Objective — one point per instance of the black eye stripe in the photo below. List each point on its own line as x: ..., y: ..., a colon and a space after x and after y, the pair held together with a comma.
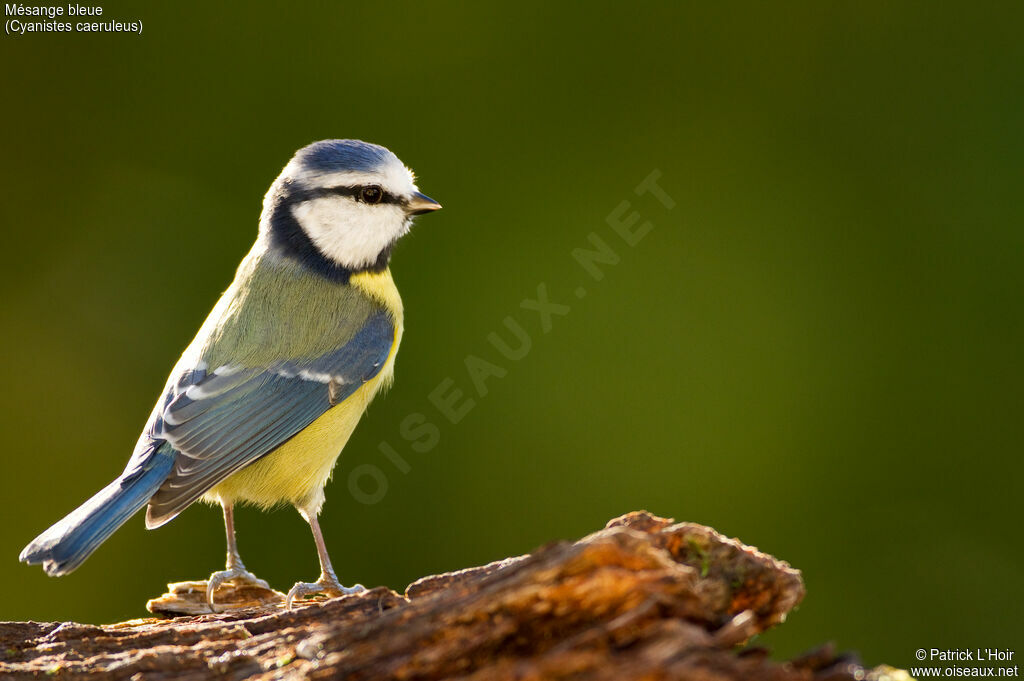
x: 352, y: 192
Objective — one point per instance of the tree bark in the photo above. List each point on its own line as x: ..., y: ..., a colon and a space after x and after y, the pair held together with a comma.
x: 641, y: 599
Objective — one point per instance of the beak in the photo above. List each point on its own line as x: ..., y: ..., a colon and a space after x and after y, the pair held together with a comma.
x: 420, y: 204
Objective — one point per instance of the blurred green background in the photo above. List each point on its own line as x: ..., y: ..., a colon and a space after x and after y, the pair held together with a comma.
x: 817, y: 350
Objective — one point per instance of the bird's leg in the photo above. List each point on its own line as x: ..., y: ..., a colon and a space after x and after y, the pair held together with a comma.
x: 328, y: 582
x: 235, y: 570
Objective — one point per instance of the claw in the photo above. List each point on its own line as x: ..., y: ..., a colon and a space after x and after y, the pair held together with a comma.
x: 327, y: 584
x: 237, y: 575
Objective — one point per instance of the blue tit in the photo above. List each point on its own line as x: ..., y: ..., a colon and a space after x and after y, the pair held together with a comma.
x: 263, y: 400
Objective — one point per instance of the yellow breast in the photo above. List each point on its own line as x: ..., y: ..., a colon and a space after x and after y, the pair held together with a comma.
x: 297, y: 471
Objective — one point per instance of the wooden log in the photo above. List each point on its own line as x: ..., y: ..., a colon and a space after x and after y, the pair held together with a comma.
x: 641, y: 599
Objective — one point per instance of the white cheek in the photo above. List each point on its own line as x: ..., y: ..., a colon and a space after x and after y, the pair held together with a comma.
x: 351, y: 234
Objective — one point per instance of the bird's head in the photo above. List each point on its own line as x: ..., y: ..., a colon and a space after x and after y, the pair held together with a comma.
x: 339, y: 206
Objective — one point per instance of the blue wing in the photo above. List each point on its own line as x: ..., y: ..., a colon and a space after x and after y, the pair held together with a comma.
x: 222, y: 421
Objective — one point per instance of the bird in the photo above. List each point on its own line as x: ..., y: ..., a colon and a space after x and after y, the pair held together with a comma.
x: 261, y: 403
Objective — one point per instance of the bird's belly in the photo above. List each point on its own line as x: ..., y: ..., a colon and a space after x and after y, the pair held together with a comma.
x: 297, y: 471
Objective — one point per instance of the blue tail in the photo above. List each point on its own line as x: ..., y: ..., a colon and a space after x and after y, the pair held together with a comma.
x: 67, y: 544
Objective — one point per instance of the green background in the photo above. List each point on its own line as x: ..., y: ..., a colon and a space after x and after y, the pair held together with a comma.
x: 817, y: 350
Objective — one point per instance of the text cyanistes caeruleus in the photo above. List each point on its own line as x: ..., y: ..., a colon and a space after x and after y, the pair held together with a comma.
x: 265, y: 397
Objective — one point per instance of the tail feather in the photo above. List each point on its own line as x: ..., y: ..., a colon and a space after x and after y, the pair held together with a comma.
x: 67, y: 544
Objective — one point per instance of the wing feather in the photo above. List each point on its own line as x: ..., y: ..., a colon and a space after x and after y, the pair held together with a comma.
x: 224, y: 420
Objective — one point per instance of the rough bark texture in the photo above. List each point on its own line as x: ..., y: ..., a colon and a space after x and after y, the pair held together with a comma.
x: 641, y: 599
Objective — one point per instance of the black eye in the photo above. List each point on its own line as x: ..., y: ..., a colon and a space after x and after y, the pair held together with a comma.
x: 371, y: 194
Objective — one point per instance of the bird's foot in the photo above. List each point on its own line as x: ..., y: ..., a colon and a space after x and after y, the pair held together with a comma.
x: 238, y: 576
x: 327, y: 584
